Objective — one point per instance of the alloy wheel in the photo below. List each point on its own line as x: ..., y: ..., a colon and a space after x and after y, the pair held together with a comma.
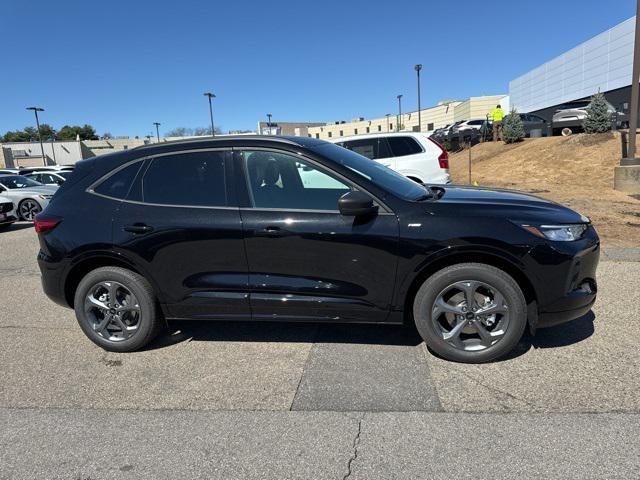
x: 29, y: 209
x: 112, y: 311
x: 470, y: 315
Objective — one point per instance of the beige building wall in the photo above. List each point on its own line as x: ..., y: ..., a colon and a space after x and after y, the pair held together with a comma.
x: 431, y: 118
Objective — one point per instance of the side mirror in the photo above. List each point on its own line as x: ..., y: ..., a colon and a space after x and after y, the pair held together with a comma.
x: 356, y: 203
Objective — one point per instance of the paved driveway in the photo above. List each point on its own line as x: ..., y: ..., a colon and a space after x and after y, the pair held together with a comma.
x: 337, y: 377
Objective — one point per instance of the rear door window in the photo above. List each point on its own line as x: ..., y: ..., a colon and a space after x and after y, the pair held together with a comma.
x: 186, y: 179
x: 373, y: 148
x: 402, y: 146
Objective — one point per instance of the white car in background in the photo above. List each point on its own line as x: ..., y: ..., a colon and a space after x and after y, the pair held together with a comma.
x: 413, y: 154
x: 29, y: 197
x: 7, y: 212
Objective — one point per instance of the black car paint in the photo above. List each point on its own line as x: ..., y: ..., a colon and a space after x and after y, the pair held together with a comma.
x: 285, y: 264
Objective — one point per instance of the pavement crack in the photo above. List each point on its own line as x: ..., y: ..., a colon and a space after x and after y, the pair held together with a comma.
x: 496, y: 390
x: 354, y: 448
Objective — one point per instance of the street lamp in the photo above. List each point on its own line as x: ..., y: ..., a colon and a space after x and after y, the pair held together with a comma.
x: 210, y: 96
x: 418, y: 67
x: 399, y: 97
x: 36, y: 110
x: 157, y: 124
x: 269, y: 123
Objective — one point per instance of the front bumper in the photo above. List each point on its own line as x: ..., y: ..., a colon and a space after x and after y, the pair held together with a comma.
x: 566, y: 272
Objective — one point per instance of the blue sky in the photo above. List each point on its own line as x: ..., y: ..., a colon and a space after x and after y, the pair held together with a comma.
x: 121, y: 65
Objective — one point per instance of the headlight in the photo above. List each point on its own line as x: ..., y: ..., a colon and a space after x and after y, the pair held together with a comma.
x: 558, y: 233
x: 45, y: 197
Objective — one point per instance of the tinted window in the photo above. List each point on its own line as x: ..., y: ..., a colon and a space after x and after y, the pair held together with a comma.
x: 118, y: 184
x: 373, y: 148
x: 375, y: 172
x: 279, y: 180
x: 401, y: 146
x: 475, y: 122
x: 189, y: 179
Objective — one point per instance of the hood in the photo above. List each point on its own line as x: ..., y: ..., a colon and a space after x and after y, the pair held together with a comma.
x: 517, y: 206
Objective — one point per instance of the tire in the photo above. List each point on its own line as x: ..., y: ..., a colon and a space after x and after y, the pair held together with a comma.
x: 433, y: 320
x: 143, y: 323
x: 566, y: 131
x: 28, y: 209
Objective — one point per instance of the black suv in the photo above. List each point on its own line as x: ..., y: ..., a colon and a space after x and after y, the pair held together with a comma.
x: 290, y: 228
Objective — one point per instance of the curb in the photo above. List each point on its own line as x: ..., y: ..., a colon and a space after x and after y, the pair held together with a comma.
x: 620, y: 254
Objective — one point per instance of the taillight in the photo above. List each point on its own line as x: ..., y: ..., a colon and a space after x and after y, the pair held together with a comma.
x: 45, y: 223
x: 443, y: 158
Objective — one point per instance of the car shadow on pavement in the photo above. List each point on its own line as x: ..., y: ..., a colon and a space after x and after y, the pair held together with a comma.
x: 228, y: 331
x: 14, y: 227
x: 559, y: 336
x: 180, y: 331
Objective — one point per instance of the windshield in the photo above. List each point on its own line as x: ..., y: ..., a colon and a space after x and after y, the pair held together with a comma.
x: 18, y: 181
x: 375, y: 172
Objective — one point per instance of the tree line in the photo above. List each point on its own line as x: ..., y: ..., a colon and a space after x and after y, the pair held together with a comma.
x: 68, y: 133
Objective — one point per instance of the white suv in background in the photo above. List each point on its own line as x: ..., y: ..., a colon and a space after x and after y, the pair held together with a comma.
x: 412, y: 154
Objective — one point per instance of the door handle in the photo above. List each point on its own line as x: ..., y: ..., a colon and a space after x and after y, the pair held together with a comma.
x: 138, y: 228
x: 271, y: 231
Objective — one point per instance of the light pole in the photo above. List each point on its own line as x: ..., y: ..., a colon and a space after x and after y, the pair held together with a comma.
x: 53, y: 148
x: 418, y: 67
x: 269, y: 123
x: 157, y: 124
x: 210, y: 96
x: 387, y: 115
x: 36, y: 110
x: 399, y: 97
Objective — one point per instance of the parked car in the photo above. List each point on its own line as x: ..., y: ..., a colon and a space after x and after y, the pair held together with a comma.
x: 29, y: 197
x: 9, y: 171
x: 49, y: 168
x: 221, y: 228
x: 412, y: 154
x: 50, y: 177
x: 569, y: 118
x: 438, y: 132
x: 7, y: 212
x: 531, y: 123
x: 475, y: 124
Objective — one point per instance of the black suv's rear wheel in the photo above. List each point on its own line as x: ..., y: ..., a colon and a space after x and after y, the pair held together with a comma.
x: 116, y: 308
x: 470, y: 313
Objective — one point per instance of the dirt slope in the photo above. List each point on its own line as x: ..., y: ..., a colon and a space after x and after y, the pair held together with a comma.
x: 576, y: 171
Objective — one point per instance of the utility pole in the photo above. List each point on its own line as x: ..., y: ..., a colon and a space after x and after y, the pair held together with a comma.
x: 157, y: 124
x: 626, y: 176
x: 398, y: 125
x: 210, y: 96
x: 418, y: 67
x: 36, y: 110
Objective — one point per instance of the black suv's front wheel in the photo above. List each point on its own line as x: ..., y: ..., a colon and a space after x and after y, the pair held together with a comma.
x: 470, y: 312
x: 116, y: 308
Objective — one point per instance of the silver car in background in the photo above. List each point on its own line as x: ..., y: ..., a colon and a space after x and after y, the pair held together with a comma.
x: 569, y: 118
x: 28, y: 196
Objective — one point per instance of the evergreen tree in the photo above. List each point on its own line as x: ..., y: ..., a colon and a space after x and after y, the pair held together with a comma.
x: 598, y: 117
x: 513, y: 129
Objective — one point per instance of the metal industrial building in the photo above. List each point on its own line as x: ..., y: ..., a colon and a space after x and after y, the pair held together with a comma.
x: 603, y: 63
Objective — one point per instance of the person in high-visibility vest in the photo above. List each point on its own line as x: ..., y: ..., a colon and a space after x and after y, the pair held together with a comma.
x: 497, y: 114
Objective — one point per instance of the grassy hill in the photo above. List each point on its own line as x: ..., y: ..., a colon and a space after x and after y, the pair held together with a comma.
x: 576, y: 171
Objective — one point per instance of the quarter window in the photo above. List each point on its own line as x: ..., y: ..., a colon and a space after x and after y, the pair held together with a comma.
x: 118, y: 184
x: 188, y: 179
x: 279, y: 180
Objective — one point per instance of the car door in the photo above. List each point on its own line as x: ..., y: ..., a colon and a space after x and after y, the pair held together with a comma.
x: 181, y: 226
x: 306, y: 261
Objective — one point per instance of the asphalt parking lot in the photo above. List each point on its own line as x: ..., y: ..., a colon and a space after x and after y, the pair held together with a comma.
x: 251, y: 400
